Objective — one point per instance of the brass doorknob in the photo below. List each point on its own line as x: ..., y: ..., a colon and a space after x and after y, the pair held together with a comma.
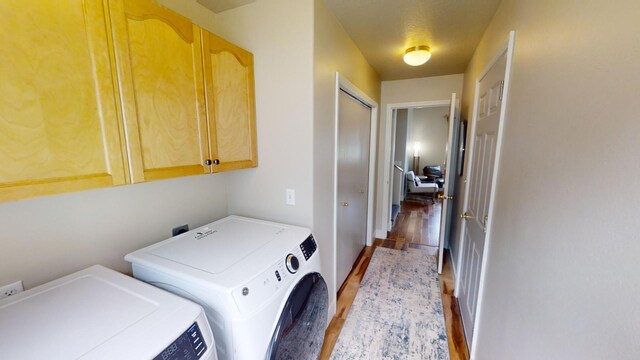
x: 445, y: 197
x: 465, y: 216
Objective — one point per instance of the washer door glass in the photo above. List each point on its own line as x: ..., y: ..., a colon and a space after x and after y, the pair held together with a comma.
x: 300, y: 331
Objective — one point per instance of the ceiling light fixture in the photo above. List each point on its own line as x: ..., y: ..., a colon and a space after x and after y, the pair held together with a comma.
x: 417, y: 55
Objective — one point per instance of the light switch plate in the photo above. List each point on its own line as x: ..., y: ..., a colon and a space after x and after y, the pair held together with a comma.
x: 291, y: 197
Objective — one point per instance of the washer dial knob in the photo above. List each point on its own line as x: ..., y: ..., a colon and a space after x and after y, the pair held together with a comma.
x: 292, y: 263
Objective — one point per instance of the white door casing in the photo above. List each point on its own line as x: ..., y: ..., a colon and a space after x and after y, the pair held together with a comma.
x: 449, y: 181
x: 354, y: 119
x: 387, y: 184
x: 482, y: 169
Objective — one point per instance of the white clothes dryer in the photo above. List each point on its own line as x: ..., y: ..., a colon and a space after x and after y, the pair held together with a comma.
x: 100, y: 314
x: 259, y: 282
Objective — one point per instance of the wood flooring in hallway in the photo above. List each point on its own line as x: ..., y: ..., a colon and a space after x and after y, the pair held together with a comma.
x: 416, y: 228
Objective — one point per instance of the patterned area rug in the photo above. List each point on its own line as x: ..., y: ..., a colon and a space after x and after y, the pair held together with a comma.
x: 397, y: 313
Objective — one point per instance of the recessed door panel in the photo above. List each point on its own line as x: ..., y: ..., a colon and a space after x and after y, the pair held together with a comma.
x: 228, y: 72
x: 158, y: 56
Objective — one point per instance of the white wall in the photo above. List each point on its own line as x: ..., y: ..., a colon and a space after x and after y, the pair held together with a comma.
x: 404, y: 91
x: 431, y: 129
x: 334, y: 51
x: 48, y: 237
x: 562, y: 280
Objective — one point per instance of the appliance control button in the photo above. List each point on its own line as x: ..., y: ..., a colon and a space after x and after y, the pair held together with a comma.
x: 292, y: 263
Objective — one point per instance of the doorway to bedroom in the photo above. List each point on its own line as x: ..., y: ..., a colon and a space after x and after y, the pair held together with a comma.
x: 419, y: 158
x: 423, y: 143
x: 420, y: 149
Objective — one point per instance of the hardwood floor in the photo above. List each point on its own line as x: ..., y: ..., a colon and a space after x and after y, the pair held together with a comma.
x: 416, y: 228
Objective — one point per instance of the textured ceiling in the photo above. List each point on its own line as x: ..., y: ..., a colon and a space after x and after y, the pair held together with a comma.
x: 384, y: 29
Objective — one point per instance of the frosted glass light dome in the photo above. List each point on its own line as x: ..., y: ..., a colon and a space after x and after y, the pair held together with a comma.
x: 417, y: 55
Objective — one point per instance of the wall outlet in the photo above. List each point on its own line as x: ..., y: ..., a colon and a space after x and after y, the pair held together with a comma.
x: 179, y: 229
x: 11, y: 289
x: 291, y: 197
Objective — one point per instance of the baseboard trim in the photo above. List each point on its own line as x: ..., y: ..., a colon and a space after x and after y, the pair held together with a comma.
x: 380, y: 234
x: 454, y: 266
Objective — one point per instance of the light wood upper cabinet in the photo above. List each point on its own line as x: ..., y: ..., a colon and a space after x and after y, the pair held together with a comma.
x: 159, y: 64
x: 97, y: 93
x: 228, y: 72
x: 59, y: 129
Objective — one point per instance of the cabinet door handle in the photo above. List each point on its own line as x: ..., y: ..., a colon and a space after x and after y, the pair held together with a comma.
x: 216, y: 162
x: 207, y: 162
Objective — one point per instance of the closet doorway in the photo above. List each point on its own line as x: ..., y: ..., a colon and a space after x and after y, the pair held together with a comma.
x: 355, y: 159
x: 354, y: 123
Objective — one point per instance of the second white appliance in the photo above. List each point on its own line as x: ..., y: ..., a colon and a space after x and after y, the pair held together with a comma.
x: 259, y: 282
x: 100, y: 314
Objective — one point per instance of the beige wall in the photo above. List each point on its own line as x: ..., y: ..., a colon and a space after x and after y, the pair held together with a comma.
x: 404, y: 91
x: 562, y: 279
x: 48, y: 237
x: 431, y: 129
x: 280, y: 35
x: 333, y: 51
x: 421, y: 89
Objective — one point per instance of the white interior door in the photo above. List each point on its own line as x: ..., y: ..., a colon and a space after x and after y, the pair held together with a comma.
x: 354, y: 124
x: 449, y: 179
x: 479, y: 189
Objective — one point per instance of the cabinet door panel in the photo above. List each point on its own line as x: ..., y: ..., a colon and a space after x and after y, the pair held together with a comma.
x: 59, y: 129
x: 160, y: 72
x: 228, y: 72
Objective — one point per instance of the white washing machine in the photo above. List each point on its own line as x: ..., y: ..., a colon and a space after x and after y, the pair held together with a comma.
x: 99, y: 313
x: 258, y: 281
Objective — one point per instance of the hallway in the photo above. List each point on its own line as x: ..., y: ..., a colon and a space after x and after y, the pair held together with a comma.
x: 416, y: 228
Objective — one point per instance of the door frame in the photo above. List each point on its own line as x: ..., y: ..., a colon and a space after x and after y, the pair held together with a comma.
x: 389, y: 152
x: 450, y: 179
x: 507, y: 48
x: 342, y: 83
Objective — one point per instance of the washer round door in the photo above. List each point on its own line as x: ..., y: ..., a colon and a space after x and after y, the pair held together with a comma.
x: 299, y: 332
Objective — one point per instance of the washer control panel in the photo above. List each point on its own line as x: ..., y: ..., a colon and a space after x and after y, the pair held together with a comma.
x: 308, y: 247
x: 190, y: 345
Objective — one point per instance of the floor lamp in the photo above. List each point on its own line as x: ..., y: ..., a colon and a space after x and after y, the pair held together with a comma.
x: 416, y: 158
